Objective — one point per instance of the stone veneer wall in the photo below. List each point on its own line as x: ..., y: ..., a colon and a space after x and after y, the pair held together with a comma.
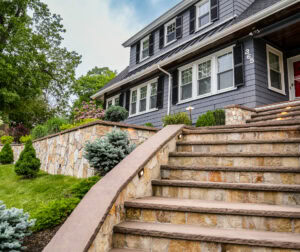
x: 62, y: 153
x: 237, y: 114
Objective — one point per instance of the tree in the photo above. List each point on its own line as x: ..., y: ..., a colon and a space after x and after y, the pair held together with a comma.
x: 34, y: 68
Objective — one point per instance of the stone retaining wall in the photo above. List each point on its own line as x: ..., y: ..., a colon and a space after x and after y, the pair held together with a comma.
x: 62, y: 153
x: 237, y: 114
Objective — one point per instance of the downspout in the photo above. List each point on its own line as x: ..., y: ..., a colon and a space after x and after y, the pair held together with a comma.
x: 170, y: 84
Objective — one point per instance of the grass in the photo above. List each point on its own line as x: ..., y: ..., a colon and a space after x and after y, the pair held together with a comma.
x: 31, y: 194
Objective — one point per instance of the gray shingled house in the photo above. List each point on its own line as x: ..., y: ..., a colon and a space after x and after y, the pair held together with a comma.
x: 210, y: 54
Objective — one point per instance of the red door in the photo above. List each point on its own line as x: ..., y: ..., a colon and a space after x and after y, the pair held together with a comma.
x: 297, y: 78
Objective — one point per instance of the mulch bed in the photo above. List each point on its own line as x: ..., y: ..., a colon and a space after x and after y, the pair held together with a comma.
x: 38, y: 241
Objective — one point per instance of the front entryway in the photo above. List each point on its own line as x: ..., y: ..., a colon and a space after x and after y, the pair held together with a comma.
x: 294, y: 77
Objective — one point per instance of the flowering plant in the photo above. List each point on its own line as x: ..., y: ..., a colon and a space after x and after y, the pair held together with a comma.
x: 89, y: 110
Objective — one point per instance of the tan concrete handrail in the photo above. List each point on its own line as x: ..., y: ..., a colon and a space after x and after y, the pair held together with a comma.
x: 80, y: 229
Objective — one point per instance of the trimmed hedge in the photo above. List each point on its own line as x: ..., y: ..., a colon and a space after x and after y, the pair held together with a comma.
x: 211, y: 118
x: 116, y: 114
x: 178, y: 118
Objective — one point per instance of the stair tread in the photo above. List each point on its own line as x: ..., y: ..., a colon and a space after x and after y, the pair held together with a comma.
x: 234, y: 169
x: 218, y: 207
x: 126, y: 250
x: 232, y: 154
x: 224, y: 185
x: 276, y: 111
x: 196, y: 233
x: 278, y: 105
x: 274, y: 116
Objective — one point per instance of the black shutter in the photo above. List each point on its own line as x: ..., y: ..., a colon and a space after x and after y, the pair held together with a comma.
x: 160, y: 93
x: 161, y: 37
x: 238, y: 57
x: 104, y: 101
x: 151, y: 44
x: 121, y: 100
x: 192, y: 19
x: 127, y: 103
x: 179, y: 27
x: 175, y: 87
x: 138, y: 50
x: 214, y: 10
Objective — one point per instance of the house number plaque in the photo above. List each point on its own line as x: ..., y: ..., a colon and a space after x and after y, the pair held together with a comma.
x: 249, y: 56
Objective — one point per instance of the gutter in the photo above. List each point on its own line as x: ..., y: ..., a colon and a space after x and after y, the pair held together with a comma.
x: 236, y: 27
x: 170, y: 84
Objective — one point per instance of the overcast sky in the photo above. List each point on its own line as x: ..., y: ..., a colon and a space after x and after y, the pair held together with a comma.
x: 96, y: 29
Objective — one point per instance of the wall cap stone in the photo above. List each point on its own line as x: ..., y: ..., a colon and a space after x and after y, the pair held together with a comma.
x: 82, y: 226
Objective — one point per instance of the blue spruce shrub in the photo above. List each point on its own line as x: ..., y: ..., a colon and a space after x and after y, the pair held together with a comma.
x: 105, y: 153
x: 14, y: 227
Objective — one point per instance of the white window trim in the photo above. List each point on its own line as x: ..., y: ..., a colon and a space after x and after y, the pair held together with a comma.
x: 138, y: 88
x: 280, y: 55
x: 166, y: 32
x: 141, y: 48
x: 198, y: 15
x: 113, y: 99
x: 214, y: 76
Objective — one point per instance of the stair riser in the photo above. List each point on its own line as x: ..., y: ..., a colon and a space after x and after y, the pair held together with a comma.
x: 156, y: 244
x: 262, y: 119
x: 215, y: 220
x: 242, y: 136
x: 235, y: 161
x: 240, y: 148
x: 233, y: 177
x: 276, y: 111
x: 228, y: 195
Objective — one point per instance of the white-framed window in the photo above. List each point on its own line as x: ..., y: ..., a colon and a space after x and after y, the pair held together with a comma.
x: 170, y: 32
x: 143, y: 98
x: 145, y: 48
x: 208, y: 76
x: 113, y: 101
x: 203, y: 14
x: 275, y: 70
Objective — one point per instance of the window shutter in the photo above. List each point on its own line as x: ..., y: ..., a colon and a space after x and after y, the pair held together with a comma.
x: 175, y: 87
x: 238, y: 57
x: 192, y: 19
x: 160, y: 93
x: 179, y: 27
x: 161, y: 37
x: 151, y: 44
x: 127, y: 103
x: 214, y: 10
x: 121, y: 103
x: 138, y: 50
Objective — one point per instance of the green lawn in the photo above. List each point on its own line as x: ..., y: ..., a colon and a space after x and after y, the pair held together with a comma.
x: 31, y: 194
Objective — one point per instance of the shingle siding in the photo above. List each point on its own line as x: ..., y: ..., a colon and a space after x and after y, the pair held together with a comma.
x: 241, y: 5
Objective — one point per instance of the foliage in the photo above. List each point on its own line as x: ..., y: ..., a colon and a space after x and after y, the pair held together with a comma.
x: 105, y: 153
x: 75, y: 125
x: 2, y: 133
x: 36, y: 72
x: 25, y: 139
x: 149, y: 125
x: 54, y: 213
x: 80, y: 189
x: 211, y: 118
x: 6, y: 154
x: 14, y: 226
x: 28, y: 164
x: 53, y: 125
x: 39, y: 131
x: 116, y: 114
x: 17, y: 131
x: 88, y: 110
x: 6, y: 139
x: 178, y: 118
x: 1, y: 121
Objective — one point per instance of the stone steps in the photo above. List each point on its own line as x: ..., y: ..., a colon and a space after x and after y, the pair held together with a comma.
x: 276, y: 106
x: 280, y: 116
x: 126, y: 250
x: 142, y: 236
x: 276, y: 111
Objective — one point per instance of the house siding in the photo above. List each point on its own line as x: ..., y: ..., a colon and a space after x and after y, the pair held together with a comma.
x: 241, y: 5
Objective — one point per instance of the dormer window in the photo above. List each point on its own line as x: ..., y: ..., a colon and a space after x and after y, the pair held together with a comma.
x: 170, y: 34
x: 203, y: 14
x: 145, y: 46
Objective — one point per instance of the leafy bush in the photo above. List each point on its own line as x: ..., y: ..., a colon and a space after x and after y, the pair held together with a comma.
x: 6, y: 154
x: 75, y: 125
x: 149, y: 125
x: 211, y: 118
x: 28, y: 164
x: 89, y: 110
x: 179, y: 118
x: 105, y: 153
x: 6, y: 139
x: 25, y: 139
x: 17, y: 131
x: 53, y: 125
x: 39, y: 131
x: 1, y: 121
x: 54, y: 213
x: 2, y: 133
x: 80, y: 189
x: 14, y: 227
x: 116, y: 114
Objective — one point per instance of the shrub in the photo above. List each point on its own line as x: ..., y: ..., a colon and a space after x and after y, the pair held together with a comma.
x: 116, y: 114
x: 28, y: 164
x: 149, y: 125
x: 39, y: 131
x: 6, y: 154
x: 14, y: 227
x: 17, y: 131
x: 54, y: 213
x: 74, y: 125
x: 53, y: 125
x: 179, y: 118
x: 25, y: 139
x: 211, y: 118
x: 89, y: 110
x: 6, y: 139
x: 2, y: 133
x: 105, y: 153
x: 80, y: 189
x: 1, y: 121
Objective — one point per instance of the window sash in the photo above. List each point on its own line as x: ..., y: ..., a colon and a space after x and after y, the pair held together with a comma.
x: 145, y: 48
x: 170, y: 33
x: 203, y: 14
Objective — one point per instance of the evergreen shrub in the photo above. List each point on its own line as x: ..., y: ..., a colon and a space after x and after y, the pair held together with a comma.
x: 39, y: 131
x: 105, y: 153
x: 53, y: 125
x: 116, y: 114
x: 149, y: 125
x: 178, y: 118
x: 6, y: 154
x: 211, y: 118
x: 80, y: 189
